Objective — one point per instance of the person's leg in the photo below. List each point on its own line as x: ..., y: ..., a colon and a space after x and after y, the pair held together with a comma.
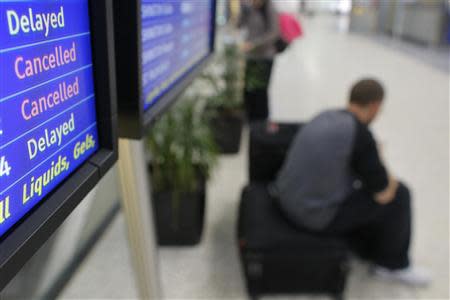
x: 380, y: 233
x: 392, y: 229
x: 269, y: 72
x: 257, y: 78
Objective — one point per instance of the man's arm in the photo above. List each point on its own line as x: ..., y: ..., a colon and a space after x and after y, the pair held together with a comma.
x: 367, y: 163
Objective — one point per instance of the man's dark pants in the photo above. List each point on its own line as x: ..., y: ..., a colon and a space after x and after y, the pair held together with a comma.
x: 378, y: 233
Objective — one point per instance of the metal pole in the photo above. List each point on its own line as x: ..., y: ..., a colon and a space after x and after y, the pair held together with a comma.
x: 136, y: 204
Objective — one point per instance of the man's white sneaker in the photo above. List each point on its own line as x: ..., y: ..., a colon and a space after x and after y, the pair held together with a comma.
x: 410, y: 276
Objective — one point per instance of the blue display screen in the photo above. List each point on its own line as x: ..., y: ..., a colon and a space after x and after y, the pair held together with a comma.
x: 48, y: 122
x: 176, y: 36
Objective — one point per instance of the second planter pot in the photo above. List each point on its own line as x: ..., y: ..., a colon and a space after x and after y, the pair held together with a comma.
x: 179, y: 218
x: 227, y: 129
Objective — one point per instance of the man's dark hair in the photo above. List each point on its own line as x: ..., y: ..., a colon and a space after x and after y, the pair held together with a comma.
x: 366, y: 91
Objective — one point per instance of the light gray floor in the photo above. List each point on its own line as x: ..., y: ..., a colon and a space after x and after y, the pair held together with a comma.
x: 314, y: 74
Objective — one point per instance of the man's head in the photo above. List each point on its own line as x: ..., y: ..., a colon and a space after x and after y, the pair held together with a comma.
x: 366, y: 98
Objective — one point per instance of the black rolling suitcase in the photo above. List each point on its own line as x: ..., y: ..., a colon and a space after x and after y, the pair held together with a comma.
x: 278, y: 259
x: 268, y: 149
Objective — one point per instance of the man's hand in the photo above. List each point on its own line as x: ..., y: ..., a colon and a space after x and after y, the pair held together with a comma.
x: 246, y: 47
x: 388, y: 195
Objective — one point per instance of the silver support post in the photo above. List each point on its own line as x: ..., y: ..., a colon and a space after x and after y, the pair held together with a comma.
x: 136, y: 204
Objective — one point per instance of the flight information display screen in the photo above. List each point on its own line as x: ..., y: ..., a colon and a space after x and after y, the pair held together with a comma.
x: 48, y: 124
x: 176, y: 36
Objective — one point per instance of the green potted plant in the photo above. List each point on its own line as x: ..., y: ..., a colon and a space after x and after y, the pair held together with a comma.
x: 225, y: 104
x: 183, y: 152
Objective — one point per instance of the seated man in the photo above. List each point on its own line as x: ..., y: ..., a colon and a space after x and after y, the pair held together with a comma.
x: 334, y: 182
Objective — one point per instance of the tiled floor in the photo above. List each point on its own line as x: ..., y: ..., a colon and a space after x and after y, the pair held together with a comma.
x: 315, y: 74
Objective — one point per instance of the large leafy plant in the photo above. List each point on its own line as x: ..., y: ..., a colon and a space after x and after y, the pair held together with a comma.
x: 182, y: 149
x: 227, y: 83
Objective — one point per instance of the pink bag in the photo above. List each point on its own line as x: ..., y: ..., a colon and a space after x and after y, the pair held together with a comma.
x: 290, y: 27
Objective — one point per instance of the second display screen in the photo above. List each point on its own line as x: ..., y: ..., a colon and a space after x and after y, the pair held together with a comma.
x: 176, y: 36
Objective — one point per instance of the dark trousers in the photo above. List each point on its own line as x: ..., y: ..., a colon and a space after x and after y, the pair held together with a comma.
x: 379, y: 233
x: 257, y: 80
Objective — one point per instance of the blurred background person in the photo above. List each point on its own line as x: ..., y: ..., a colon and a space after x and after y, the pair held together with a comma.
x: 259, y: 19
x: 260, y: 31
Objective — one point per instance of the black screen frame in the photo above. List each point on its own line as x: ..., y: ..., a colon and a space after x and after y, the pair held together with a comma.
x: 22, y: 241
x: 133, y: 119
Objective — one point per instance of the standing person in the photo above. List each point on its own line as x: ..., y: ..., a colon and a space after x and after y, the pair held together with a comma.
x: 334, y: 182
x: 260, y: 21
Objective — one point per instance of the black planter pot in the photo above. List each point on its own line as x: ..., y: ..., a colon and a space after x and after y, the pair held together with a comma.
x: 182, y: 225
x: 227, y: 129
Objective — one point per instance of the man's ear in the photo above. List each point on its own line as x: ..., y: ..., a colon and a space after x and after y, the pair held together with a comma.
x: 374, y: 108
x: 378, y: 105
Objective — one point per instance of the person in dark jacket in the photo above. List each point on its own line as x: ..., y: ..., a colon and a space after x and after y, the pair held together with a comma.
x: 334, y: 182
x: 260, y: 21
